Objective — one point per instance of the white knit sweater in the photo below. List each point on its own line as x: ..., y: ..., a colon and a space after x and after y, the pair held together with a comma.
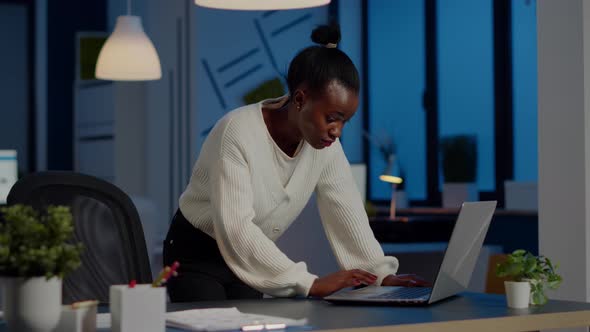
x: 237, y: 197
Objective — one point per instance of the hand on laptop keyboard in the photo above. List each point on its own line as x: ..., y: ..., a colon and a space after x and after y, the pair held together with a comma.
x: 334, y: 282
x: 407, y: 280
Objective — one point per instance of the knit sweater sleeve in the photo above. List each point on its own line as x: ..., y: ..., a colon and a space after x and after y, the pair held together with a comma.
x: 345, y: 220
x: 250, y: 254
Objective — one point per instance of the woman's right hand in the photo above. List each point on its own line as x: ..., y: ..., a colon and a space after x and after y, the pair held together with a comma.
x: 336, y: 281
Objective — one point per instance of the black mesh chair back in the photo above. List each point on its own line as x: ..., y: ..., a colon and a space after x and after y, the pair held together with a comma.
x: 105, y: 221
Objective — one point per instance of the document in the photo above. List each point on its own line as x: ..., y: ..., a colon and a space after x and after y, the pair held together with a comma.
x: 103, y: 321
x: 223, y: 319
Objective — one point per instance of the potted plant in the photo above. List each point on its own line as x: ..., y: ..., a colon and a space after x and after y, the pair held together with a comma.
x: 459, y: 167
x: 530, y: 275
x: 36, y: 252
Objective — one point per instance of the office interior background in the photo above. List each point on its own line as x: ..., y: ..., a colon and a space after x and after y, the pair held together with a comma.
x: 430, y: 69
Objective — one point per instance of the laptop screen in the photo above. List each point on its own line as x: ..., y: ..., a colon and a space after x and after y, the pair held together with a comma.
x: 463, y: 250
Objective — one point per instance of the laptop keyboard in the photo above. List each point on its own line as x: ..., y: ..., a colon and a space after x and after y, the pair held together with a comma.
x: 406, y: 293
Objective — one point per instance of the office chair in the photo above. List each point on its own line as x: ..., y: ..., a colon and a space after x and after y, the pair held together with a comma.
x: 105, y: 221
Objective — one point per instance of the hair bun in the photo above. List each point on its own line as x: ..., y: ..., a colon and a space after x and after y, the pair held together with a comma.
x: 326, y: 34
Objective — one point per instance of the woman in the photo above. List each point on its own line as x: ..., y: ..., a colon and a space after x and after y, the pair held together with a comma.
x: 255, y: 173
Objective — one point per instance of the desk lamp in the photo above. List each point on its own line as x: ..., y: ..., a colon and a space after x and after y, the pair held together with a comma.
x: 389, y: 177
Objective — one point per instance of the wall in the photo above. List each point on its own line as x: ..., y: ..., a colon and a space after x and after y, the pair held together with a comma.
x: 207, y: 66
x: 41, y: 82
x: 350, y: 17
x: 168, y: 107
x: 235, y: 58
x: 64, y: 19
x: 129, y: 128
x: 563, y: 30
x: 14, y: 81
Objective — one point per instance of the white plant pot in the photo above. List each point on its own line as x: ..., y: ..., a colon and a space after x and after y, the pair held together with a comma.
x: 518, y: 294
x: 31, y: 304
x: 454, y: 194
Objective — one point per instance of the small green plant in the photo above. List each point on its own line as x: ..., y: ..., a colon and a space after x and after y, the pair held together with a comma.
x: 34, y: 244
x: 522, y: 265
x: 371, y: 209
x: 459, y: 158
x: 268, y: 89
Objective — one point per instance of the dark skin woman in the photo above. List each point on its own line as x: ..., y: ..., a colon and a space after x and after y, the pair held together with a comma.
x: 319, y: 120
x: 256, y: 171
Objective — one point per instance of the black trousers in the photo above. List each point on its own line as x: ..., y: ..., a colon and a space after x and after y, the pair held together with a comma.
x: 203, y: 274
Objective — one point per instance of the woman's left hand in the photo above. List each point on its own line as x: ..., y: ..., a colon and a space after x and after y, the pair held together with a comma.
x: 407, y: 280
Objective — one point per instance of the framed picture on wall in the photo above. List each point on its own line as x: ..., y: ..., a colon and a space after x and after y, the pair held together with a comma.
x: 88, y: 45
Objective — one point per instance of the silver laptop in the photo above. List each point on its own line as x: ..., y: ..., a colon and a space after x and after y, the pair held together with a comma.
x: 455, y: 270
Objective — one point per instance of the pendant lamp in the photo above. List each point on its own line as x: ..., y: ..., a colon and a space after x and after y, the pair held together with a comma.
x: 261, y: 4
x: 128, y: 54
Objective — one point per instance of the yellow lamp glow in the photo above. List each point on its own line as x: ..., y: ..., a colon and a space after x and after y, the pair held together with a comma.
x: 261, y: 4
x: 390, y: 179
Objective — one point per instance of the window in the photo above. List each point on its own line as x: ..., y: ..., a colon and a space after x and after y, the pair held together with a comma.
x: 478, y: 59
x: 524, y: 76
x: 397, y: 82
x: 466, y: 79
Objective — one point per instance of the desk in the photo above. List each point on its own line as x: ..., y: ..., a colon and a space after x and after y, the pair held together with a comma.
x: 509, y: 229
x: 467, y: 312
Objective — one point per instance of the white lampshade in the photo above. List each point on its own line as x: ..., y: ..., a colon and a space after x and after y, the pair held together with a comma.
x: 261, y: 4
x: 128, y: 54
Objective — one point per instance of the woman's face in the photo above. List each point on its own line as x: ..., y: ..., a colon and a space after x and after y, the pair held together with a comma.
x: 322, y: 117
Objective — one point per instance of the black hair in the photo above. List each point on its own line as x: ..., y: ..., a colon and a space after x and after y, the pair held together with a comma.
x: 316, y: 66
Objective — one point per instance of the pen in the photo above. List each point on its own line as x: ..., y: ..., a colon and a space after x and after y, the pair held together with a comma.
x: 253, y: 327
x: 260, y: 327
x: 170, y: 273
x: 275, y: 326
x: 158, y: 280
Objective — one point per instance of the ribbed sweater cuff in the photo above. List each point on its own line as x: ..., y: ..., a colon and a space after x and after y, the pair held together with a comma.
x: 386, y: 268
x: 304, y: 285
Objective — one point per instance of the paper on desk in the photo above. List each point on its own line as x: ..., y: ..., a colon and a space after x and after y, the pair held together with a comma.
x: 219, y: 319
x: 103, y: 321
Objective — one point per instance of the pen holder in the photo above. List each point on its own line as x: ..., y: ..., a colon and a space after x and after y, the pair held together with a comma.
x: 81, y: 319
x: 140, y: 308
